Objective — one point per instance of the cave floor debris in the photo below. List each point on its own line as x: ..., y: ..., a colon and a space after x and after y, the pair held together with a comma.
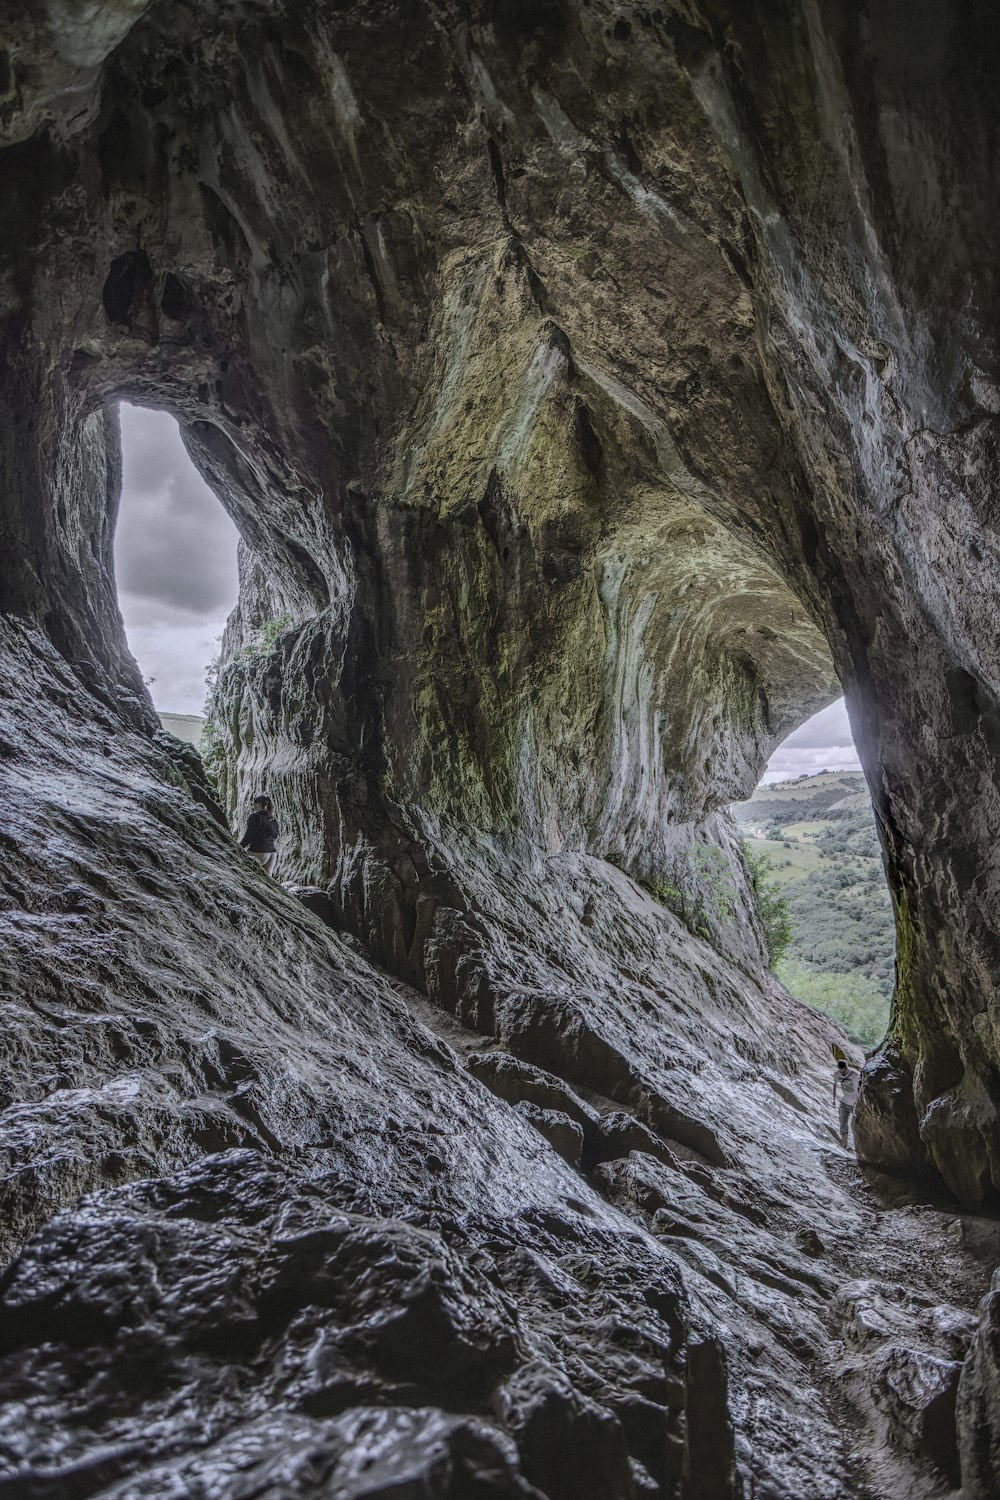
x: 880, y: 1322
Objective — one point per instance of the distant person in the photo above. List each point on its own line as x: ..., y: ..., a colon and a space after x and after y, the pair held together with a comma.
x: 262, y: 830
x: 848, y: 1081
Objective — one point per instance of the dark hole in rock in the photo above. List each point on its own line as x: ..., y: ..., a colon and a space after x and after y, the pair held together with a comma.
x: 114, y: 146
x: 222, y: 224
x: 175, y: 298
x: 125, y: 286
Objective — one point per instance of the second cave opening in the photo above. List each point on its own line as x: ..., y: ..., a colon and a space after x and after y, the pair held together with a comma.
x: 175, y: 560
x: 811, y: 820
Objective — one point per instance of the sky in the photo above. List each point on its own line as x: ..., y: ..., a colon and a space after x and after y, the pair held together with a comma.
x: 822, y: 743
x: 175, y: 557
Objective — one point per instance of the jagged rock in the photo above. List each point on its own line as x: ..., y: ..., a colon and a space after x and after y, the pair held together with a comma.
x: 517, y: 1082
x: 566, y: 1443
x: 563, y: 1134
x: 885, y: 1121
x: 872, y: 1311
x: 918, y: 1394
x: 236, y: 1268
x: 809, y: 1242
x: 316, y: 900
x: 369, y: 1453
x: 544, y: 1099
x: 709, y: 1453
x: 597, y: 392
x: 978, y: 1403
x: 618, y: 1134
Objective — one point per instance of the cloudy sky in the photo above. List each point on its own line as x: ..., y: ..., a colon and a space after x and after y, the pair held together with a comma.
x: 822, y: 743
x: 175, y: 556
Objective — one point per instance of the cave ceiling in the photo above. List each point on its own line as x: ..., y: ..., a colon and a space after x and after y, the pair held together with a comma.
x: 598, y: 391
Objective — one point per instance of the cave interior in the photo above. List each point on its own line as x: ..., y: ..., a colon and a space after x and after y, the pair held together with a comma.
x: 597, y: 392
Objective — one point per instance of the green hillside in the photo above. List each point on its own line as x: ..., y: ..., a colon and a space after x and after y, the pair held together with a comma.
x: 819, y: 834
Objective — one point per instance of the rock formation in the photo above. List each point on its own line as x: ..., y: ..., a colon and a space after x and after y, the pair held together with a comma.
x: 595, y: 389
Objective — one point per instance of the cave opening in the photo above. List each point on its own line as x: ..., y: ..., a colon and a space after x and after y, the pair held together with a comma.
x: 810, y: 823
x: 175, y: 564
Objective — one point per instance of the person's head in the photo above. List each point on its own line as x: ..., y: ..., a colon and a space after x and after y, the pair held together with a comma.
x: 842, y: 1064
x: 262, y: 804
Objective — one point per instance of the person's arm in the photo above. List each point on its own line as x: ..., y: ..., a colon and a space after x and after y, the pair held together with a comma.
x: 245, y: 840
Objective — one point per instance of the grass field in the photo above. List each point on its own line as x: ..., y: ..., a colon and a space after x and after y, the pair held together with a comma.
x: 789, y: 861
x: 819, y: 835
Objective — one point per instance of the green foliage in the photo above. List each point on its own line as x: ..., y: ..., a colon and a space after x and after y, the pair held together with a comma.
x: 267, y: 635
x: 262, y: 645
x: 832, y: 875
x: 844, y: 924
x: 263, y: 641
x: 773, y: 907
x: 855, y: 1001
x: 841, y: 957
x: 698, y: 889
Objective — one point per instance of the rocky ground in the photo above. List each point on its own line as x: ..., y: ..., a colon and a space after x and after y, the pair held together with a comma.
x: 360, y: 1243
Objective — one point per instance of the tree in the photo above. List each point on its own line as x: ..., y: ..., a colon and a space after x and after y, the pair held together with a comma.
x: 772, y: 907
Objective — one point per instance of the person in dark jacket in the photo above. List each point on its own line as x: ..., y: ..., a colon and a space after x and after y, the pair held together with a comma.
x: 262, y: 830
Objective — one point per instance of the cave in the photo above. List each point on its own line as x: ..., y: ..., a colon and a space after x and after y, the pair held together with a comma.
x: 598, y: 391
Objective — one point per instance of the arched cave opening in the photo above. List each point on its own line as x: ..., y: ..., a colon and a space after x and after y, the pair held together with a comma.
x: 810, y: 830
x: 175, y: 563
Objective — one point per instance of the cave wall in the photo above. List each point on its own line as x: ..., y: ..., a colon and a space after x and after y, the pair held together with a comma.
x: 585, y: 317
x: 592, y: 389
x: 867, y: 185
x: 535, y: 620
x: 615, y: 319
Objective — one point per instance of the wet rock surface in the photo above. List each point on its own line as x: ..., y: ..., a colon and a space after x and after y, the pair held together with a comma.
x: 343, y: 1253
x: 592, y: 389
x: 979, y: 1400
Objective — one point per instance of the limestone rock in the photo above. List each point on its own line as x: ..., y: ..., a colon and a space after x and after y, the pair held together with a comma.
x: 597, y: 392
x: 563, y: 1134
x: 918, y: 1392
x: 885, y: 1122
x: 978, y: 1406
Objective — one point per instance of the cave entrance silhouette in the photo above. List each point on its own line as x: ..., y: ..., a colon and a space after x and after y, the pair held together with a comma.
x: 811, y: 819
x: 175, y: 561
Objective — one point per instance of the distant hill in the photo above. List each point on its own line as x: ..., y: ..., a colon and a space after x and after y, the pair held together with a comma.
x: 819, y: 834
x: 184, y: 726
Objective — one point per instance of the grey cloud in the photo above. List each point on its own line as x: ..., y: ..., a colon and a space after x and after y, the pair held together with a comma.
x: 830, y: 726
x: 174, y: 542
x: 822, y: 743
x: 175, y: 556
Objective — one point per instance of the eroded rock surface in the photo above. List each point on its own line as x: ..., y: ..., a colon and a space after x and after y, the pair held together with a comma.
x: 593, y: 388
